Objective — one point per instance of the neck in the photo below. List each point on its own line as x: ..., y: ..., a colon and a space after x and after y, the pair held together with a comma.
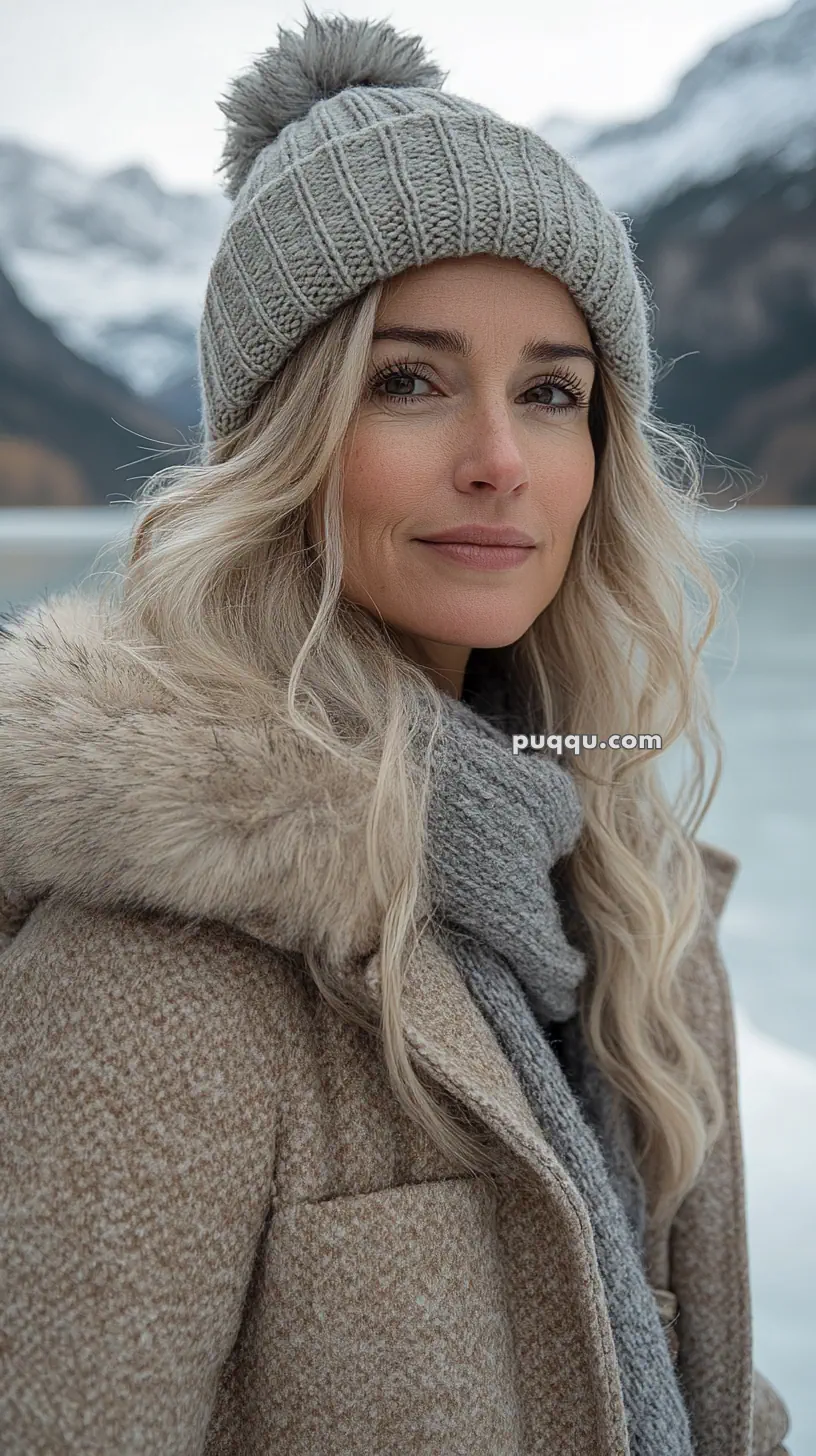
x: 445, y: 663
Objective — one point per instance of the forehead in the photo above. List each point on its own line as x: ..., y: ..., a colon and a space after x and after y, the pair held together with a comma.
x: 463, y: 292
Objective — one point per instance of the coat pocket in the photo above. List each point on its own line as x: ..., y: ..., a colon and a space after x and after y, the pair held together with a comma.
x: 389, y: 1328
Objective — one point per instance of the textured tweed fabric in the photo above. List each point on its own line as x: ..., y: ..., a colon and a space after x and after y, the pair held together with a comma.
x: 346, y: 163
x: 497, y: 823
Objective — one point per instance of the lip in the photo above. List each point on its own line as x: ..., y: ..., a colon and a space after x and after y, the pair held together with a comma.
x: 482, y: 558
x: 481, y: 535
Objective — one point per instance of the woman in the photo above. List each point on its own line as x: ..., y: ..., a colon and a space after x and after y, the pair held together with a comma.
x: 370, y: 1075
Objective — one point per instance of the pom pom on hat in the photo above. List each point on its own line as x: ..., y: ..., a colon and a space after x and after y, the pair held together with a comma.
x: 286, y: 80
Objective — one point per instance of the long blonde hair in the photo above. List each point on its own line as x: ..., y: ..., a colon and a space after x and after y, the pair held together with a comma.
x: 226, y: 596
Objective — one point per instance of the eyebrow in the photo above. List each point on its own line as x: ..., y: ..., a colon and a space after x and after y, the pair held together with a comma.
x: 452, y: 341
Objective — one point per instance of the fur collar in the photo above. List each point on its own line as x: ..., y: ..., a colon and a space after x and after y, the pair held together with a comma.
x: 112, y: 796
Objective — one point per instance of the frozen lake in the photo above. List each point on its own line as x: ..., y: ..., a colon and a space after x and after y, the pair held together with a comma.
x: 765, y: 813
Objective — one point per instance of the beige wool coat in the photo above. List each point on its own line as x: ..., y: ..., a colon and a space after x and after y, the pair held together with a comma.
x: 221, y: 1233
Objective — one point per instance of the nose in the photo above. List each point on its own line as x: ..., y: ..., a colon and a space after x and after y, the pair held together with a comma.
x: 492, y: 458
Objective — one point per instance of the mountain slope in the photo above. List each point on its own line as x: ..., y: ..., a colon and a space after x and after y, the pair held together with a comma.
x: 69, y: 433
x: 733, y: 266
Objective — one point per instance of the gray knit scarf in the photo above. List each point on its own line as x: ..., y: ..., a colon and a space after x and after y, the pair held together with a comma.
x: 498, y: 823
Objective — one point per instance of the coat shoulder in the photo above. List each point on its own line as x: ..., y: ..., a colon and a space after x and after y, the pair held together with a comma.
x: 703, y: 973
x: 132, y: 978
x: 721, y: 869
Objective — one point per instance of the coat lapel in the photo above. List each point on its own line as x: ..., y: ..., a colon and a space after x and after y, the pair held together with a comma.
x: 451, y: 1041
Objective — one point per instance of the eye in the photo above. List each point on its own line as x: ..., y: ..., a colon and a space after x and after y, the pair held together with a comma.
x: 401, y: 369
x: 404, y: 385
x: 567, y: 385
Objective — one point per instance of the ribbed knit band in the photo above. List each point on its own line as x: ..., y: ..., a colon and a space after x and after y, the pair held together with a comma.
x: 377, y: 179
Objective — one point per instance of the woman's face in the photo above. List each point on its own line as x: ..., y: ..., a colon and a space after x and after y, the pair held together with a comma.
x: 486, y: 438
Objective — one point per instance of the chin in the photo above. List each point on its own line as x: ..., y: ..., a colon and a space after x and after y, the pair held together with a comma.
x: 468, y: 631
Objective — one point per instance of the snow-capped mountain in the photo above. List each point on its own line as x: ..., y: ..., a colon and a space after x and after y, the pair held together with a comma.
x: 751, y: 98
x: 114, y: 263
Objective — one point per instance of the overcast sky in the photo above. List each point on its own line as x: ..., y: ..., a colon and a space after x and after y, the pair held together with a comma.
x: 108, y: 83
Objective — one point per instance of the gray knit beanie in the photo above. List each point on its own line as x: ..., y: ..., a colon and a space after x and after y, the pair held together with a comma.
x: 347, y: 163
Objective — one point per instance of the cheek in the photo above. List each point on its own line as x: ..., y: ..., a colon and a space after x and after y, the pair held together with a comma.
x: 567, y: 475
x: 382, y: 481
